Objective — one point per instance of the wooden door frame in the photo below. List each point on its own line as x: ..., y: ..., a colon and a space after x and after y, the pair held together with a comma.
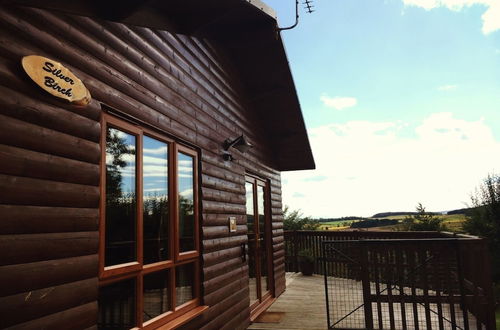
x: 265, y: 300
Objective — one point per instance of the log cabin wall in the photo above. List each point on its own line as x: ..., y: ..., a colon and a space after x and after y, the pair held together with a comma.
x: 50, y: 155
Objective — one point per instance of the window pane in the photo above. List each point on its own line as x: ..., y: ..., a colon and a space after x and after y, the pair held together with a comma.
x: 156, y: 295
x: 155, y: 208
x: 184, y: 283
x: 250, y: 211
x: 121, y: 202
x: 262, y: 238
x: 251, y: 243
x: 117, y: 306
x: 186, y: 202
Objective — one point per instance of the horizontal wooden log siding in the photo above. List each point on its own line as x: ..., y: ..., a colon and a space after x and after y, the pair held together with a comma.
x: 49, y: 157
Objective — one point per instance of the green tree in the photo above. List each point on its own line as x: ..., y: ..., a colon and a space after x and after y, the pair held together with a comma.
x: 422, y: 221
x: 295, y: 220
x: 483, y: 218
x: 116, y: 149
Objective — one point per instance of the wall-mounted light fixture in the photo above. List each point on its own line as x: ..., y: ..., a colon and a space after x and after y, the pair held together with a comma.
x: 239, y: 143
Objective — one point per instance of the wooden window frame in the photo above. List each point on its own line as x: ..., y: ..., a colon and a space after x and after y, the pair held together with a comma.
x: 137, y: 269
x: 194, y: 253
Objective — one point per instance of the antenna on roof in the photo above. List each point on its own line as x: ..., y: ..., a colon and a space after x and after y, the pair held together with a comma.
x: 308, y: 6
x: 309, y: 9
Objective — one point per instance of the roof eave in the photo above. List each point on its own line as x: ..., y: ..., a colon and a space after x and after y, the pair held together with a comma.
x: 247, y: 31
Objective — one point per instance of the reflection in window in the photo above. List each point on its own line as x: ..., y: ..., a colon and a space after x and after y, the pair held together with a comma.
x: 117, y: 306
x: 184, y: 283
x: 148, y: 279
x: 186, y: 202
x: 121, y: 201
x: 249, y: 205
x: 251, y: 243
x: 155, y: 200
x: 262, y: 237
x: 156, y: 295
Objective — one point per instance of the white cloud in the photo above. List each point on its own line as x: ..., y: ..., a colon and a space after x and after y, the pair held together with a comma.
x: 156, y: 151
x: 368, y: 167
x: 426, y: 4
x: 338, y: 103
x: 455, y: 5
x: 155, y: 171
x: 155, y: 160
x: 491, y: 17
x: 188, y: 193
x: 446, y: 88
x: 150, y: 190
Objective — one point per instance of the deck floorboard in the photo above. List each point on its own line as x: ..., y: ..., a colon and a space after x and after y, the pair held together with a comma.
x: 303, y: 304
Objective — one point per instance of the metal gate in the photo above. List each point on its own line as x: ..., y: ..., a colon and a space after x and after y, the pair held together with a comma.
x: 400, y: 284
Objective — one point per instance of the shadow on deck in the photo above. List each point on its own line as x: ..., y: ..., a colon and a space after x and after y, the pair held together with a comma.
x: 302, y: 304
x: 396, y: 280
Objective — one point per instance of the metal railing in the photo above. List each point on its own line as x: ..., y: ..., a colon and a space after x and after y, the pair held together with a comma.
x: 457, y: 260
x: 296, y: 241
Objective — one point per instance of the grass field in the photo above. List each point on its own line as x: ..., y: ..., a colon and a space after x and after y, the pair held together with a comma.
x: 497, y: 315
x: 452, y: 222
x: 336, y: 225
x: 333, y: 226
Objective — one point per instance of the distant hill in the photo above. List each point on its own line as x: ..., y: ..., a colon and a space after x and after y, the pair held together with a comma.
x: 341, y: 219
x: 374, y: 223
x: 391, y: 214
x: 460, y: 211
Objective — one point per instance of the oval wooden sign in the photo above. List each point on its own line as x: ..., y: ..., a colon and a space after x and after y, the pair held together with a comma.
x: 56, y: 79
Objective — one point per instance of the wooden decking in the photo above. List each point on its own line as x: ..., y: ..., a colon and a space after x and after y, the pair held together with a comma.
x: 303, y: 305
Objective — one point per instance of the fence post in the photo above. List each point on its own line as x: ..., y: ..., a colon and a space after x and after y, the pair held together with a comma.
x: 295, y: 251
x: 365, y: 279
x: 325, y: 276
x: 486, y: 283
x: 460, y: 270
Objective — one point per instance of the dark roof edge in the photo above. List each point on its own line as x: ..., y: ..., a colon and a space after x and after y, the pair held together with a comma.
x: 264, y: 7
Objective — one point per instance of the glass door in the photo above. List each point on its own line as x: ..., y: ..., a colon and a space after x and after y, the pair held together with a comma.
x: 258, y: 246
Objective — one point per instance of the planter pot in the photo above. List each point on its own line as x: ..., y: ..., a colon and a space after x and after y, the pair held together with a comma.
x: 306, y: 267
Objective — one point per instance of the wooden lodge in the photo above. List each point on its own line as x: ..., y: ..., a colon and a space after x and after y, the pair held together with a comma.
x: 141, y: 144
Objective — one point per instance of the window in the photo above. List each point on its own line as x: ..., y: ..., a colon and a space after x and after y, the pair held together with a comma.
x: 149, y: 247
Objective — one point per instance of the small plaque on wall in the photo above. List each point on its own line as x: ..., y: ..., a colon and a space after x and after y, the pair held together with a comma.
x: 232, y: 224
x: 56, y: 79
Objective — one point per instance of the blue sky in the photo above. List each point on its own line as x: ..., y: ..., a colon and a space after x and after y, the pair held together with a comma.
x: 401, y: 99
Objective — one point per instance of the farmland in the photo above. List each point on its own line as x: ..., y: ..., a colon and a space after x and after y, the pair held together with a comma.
x: 453, y: 222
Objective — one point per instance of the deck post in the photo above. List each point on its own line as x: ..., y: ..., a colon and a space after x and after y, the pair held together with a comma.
x: 365, y: 279
x: 295, y: 245
x: 325, y: 276
x: 459, y: 259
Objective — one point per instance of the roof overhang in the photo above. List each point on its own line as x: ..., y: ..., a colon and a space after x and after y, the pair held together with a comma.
x: 246, y: 31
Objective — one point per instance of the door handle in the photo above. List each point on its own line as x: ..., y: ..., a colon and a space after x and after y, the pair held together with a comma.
x: 243, y: 252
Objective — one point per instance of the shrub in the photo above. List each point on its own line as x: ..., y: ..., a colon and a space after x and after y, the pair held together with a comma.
x: 422, y: 221
x: 295, y: 220
x: 306, y: 255
x: 483, y: 219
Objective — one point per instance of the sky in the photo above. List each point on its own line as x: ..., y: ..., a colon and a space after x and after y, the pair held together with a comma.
x: 401, y: 100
